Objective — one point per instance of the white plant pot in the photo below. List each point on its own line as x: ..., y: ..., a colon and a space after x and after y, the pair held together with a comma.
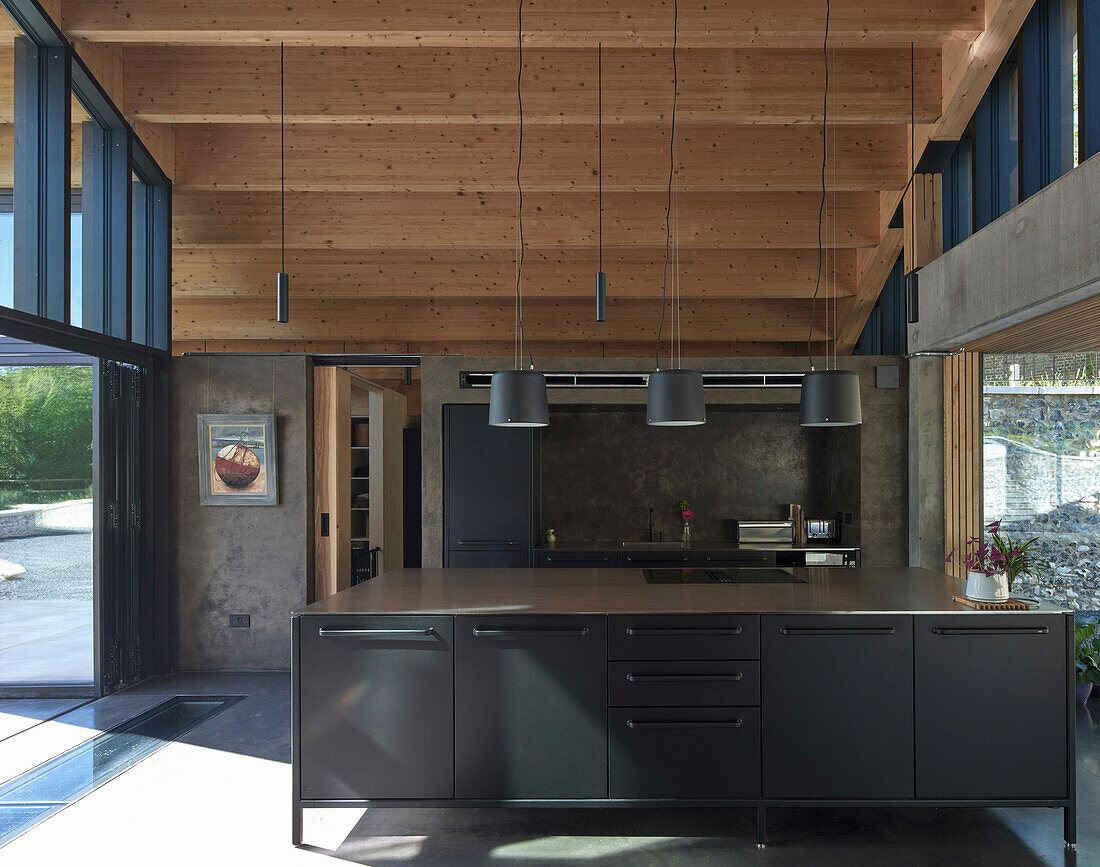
x: 987, y: 588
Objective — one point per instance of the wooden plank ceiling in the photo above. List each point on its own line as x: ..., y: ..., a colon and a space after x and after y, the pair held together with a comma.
x: 401, y: 157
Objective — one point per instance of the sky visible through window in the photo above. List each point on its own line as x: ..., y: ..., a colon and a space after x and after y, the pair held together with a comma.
x: 7, y: 264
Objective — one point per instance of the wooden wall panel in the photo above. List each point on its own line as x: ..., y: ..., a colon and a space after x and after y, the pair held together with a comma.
x: 228, y: 272
x: 386, y: 86
x: 474, y: 23
x: 962, y: 457
x: 390, y: 220
x: 352, y: 157
x: 313, y: 319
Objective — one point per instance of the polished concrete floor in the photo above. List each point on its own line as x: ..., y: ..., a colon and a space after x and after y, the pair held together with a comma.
x: 222, y: 796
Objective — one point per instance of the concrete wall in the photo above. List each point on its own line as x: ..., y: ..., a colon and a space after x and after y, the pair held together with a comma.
x: 603, y: 470
x: 883, y: 436
x: 1042, y: 255
x: 926, y: 524
x: 241, y: 559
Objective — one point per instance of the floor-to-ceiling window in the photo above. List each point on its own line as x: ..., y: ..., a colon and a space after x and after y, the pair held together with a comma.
x: 1041, y: 426
x: 46, y: 517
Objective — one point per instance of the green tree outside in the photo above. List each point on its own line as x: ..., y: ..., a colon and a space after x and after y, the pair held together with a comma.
x: 46, y: 425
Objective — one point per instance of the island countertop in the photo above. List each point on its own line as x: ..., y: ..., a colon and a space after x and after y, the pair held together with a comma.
x: 626, y: 591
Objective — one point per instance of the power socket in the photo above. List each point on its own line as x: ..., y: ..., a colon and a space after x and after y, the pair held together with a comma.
x: 240, y: 619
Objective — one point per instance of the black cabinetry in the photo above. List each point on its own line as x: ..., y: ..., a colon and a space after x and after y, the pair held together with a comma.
x: 376, y: 707
x: 991, y: 706
x: 490, y: 484
x: 530, y: 707
x: 838, y: 706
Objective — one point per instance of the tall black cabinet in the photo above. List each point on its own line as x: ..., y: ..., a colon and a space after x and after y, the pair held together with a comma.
x: 490, y: 485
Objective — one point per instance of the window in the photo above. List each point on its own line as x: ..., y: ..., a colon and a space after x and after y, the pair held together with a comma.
x: 9, y: 34
x: 1041, y: 425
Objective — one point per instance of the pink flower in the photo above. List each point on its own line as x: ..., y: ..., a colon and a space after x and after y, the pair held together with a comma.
x: 687, y: 514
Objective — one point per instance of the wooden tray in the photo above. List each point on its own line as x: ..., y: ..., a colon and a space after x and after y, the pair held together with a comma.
x: 1010, y: 605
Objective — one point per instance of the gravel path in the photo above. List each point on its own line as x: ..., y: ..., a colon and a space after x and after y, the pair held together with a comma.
x: 58, y: 567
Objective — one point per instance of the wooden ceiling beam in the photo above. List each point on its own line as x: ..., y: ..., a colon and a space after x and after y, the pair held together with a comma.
x: 395, y: 319
x: 322, y: 157
x: 548, y: 272
x: 485, y: 221
x: 489, y: 23
x: 478, y: 86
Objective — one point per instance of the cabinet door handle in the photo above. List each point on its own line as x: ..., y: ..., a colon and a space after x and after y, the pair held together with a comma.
x: 494, y: 632
x: 488, y: 541
x: 696, y: 678
x: 990, y: 630
x: 734, y: 558
x: 331, y: 632
x: 683, y: 724
x: 552, y: 559
x: 836, y: 630
x: 681, y: 559
x: 686, y: 630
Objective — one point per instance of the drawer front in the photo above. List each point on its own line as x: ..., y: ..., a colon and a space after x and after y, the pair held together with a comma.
x: 684, y: 752
x: 684, y: 636
x: 377, y: 707
x: 674, y: 559
x: 489, y: 558
x: 683, y: 684
x: 576, y: 559
x: 743, y: 559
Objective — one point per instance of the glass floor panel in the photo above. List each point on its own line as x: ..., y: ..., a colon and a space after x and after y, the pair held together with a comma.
x: 55, y: 784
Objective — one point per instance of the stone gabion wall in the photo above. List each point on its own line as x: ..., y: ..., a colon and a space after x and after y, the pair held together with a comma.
x: 1048, y: 487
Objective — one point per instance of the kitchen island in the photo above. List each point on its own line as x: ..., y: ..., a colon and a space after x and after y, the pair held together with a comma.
x: 624, y: 687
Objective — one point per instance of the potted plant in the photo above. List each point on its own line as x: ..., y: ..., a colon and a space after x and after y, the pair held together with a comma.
x: 1086, y: 640
x: 686, y: 514
x: 994, y: 565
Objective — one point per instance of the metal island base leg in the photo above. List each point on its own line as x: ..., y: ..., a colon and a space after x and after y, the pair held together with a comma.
x: 761, y: 827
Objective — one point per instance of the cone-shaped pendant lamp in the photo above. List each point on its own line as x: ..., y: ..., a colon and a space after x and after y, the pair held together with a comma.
x: 830, y: 398
x: 517, y: 398
x: 674, y: 396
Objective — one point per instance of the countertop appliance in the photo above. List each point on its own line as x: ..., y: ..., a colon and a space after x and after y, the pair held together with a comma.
x: 763, y: 531
x: 822, y: 530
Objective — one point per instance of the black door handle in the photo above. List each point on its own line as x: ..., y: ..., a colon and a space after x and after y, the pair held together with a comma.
x: 331, y: 632
x: 577, y: 559
x: 495, y: 632
x: 680, y: 559
x: 686, y: 630
x: 683, y: 724
x: 696, y: 678
x: 488, y: 541
x: 990, y: 630
x: 836, y: 630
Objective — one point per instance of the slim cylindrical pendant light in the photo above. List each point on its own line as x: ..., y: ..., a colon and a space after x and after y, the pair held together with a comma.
x: 830, y: 398
x: 282, y: 279
x: 674, y: 397
x: 517, y: 398
x: 601, y: 277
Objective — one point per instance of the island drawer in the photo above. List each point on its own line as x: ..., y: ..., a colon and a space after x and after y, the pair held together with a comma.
x: 711, y: 752
x: 684, y: 636
x: 707, y: 683
x: 556, y: 559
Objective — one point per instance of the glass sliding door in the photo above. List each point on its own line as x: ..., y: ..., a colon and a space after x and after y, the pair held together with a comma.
x: 47, y: 517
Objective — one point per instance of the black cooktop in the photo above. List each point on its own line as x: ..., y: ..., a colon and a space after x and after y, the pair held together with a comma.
x: 736, y: 575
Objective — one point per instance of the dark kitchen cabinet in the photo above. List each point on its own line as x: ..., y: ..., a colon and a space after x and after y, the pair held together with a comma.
x: 670, y: 559
x: 684, y: 636
x: 376, y: 707
x: 489, y: 558
x: 490, y: 484
x: 746, y: 559
x: 708, y: 752
x: 546, y: 558
x: 530, y: 707
x: 991, y: 705
x: 837, y: 698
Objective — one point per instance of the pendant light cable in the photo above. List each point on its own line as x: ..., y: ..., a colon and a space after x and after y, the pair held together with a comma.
x: 599, y: 135
x: 671, y: 167
x: 519, y: 189
x: 821, y: 207
x: 282, y: 159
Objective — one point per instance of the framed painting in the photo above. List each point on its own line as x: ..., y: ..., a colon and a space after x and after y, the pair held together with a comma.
x: 238, y: 464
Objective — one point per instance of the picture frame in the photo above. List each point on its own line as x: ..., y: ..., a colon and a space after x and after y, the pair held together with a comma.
x: 238, y: 460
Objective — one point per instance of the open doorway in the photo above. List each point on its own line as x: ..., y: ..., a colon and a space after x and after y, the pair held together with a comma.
x: 47, y: 510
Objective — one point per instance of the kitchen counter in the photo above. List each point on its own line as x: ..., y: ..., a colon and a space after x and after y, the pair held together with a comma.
x: 625, y: 591
x: 694, y: 545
